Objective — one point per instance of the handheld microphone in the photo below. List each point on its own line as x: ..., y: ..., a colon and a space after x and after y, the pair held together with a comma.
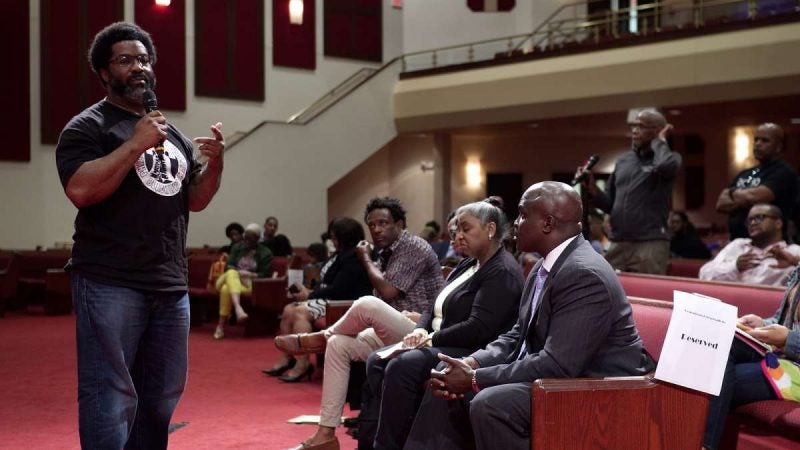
x: 587, y: 165
x: 150, y: 105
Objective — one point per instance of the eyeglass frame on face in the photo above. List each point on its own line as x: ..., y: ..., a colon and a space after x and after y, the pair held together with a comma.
x: 144, y: 60
x: 758, y: 218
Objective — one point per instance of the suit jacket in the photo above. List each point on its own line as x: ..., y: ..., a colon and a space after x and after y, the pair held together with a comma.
x: 481, y: 308
x: 582, y: 327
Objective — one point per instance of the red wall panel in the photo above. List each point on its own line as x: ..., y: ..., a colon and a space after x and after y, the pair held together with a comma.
x: 293, y: 45
x: 229, y: 49
x: 14, y: 33
x: 167, y: 26
x: 354, y: 29
x: 68, y: 84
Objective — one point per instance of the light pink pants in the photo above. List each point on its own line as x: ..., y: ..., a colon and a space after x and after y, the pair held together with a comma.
x: 367, y: 326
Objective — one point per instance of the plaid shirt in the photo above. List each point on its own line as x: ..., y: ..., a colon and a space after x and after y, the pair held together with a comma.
x: 414, y: 270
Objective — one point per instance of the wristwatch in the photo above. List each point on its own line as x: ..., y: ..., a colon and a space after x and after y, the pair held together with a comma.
x: 475, y: 387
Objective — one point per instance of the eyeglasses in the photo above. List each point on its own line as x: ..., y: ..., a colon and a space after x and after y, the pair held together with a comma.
x: 125, y: 60
x: 758, y: 218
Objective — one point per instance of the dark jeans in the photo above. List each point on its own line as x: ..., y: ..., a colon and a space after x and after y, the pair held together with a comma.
x: 744, y: 383
x: 132, y: 363
x: 398, y: 383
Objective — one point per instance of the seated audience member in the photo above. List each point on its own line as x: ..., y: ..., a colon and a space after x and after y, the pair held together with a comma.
x: 317, y: 257
x: 453, y: 255
x: 479, y: 302
x: 278, y: 244
x: 440, y: 243
x: 685, y: 243
x: 234, y: 232
x: 249, y: 259
x: 597, y: 232
x: 763, y: 258
x: 406, y: 281
x: 574, y: 321
x: 270, y: 230
x: 343, y: 278
x: 749, y: 376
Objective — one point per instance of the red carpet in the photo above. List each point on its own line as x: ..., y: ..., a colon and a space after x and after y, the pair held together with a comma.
x: 228, y: 403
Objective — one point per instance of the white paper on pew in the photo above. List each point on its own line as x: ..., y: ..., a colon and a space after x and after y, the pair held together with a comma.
x: 293, y: 276
x: 697, y: 343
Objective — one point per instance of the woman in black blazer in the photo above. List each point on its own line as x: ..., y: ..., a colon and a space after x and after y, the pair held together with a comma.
x: 343, y: 278
x: 479, y: 303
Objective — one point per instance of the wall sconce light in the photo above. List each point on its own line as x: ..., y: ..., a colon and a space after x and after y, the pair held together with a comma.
x: 474, y: 174
x: 742, y: 142
x: 163, y: 2
x: 296, y: 12
x: 427, y: 166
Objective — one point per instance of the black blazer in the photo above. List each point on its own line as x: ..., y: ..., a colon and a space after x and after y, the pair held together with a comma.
x: 481, y: 308
x: 583, y: 327
x: 345, y: 279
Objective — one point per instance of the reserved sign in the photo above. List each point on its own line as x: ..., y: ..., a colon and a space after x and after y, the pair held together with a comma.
x: 698, y: 341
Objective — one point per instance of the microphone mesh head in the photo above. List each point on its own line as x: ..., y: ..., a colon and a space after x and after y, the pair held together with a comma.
x: 149, y: 100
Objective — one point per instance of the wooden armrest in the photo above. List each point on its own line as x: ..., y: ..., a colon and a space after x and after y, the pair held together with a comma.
x: 270, y: 293
x: 619, y: 413
x: 336, y: 309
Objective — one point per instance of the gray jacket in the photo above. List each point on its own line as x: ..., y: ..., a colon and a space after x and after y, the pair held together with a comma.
x: 639, y: 193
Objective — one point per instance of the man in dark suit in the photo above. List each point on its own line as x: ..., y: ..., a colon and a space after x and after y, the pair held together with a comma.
x: 574, y: 321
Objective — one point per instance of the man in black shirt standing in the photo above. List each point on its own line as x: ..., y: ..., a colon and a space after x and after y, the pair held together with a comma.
x: 771, y: 181
x: 638, y: 197
x: 128, y: 265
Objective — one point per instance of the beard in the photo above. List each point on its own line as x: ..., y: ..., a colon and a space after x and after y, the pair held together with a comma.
x: 129, y: 89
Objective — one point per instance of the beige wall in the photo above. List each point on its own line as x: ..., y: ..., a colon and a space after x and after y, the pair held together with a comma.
x: 395, y: 171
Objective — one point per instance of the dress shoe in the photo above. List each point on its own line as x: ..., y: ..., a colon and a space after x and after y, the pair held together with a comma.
x: 302, y: 344
x: 331, y: 444
x: 295, y: 378
x: 278, y: 370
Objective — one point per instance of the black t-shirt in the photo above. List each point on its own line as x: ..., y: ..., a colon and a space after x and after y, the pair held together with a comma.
x: 780, y: 178
x: 137, y: 236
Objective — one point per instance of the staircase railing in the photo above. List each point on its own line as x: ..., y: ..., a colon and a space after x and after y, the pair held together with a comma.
x: 332, y: 97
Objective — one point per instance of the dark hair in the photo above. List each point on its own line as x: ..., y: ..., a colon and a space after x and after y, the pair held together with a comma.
x: 435, y: 225
x: 280, y: 246
x: 392, y: 204
x: 271, y: 218
x: 318, y: 250
x: 100, y: 49
x: 688, y: 226
x: 234, y: 226
x: 349, y: 232
x: 488, y: 211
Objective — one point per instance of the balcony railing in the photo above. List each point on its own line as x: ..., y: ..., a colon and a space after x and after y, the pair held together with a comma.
x: 571, y: 24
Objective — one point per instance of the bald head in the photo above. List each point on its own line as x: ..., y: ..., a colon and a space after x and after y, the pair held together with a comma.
x: 549, y: 213
x: 556, y: 199
x: 646, y: 127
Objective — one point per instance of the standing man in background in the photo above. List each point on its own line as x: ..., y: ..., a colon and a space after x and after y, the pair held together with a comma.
x: 771, y: 181
x: 128, y: 265
x: 638, y: 197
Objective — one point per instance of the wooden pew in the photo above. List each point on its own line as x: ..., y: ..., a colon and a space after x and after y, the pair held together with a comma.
x: 32, y: 280
x: 620, y: 412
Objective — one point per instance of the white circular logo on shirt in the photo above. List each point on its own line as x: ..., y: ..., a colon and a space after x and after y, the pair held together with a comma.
x: 164, y: 173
